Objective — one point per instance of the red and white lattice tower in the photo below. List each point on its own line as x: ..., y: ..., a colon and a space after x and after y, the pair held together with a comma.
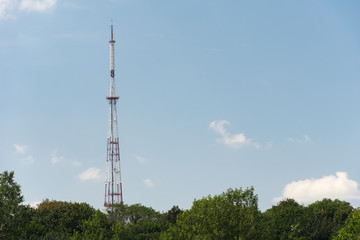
x: 113, y: 185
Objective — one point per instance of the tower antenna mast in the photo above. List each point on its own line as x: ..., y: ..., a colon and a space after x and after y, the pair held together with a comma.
x: 113, y: 184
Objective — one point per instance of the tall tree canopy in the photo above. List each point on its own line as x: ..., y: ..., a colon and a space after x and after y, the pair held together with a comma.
x: 10, y: 209
x: 229, y: 215
x: 232, y: 215
x: 351, y: 230
x: 138, y: 222
x: 57, y: 218
x: 322, y: 219
x: 277, y: 222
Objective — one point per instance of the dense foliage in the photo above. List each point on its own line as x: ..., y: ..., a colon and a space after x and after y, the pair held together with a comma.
x: 231, y: 215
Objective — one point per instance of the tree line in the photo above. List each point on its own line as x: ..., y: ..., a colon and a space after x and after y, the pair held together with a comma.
x: 231, y: 215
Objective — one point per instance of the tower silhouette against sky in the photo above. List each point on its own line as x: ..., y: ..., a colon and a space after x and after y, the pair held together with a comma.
x: 113, y: 184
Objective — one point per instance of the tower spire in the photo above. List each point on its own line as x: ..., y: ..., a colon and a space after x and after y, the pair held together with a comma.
x: 113, y: 184
x: 112, y: 31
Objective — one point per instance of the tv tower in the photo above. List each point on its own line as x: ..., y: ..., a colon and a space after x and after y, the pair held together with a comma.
x: 113, y: 184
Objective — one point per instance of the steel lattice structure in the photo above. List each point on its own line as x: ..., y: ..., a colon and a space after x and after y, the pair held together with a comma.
x: 113, y: 184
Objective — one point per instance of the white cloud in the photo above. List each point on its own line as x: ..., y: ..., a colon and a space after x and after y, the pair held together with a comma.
x: 36, y: 5
x: 90, y: 174
x: 305, y: 139
x: 218, y: 127
x: 9, y: 8
x: 55, y: 158
x: 77, y: 163
x: 140, y: 159
x: 235, y: 140
x: 148, y: 183
x: 6, y: 7
x: 19, y: 148
x: 333, y: 187
x: 29, y: 160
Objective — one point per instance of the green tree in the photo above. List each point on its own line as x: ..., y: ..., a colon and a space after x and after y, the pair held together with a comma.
x: 119, y: 231
x: 96, y: 227
x: 50, y: 205
x: 322, y: 219
x: 172, y: 214
x: 56, y: 218
x: 229, y: 215
x: 351, y: 230
x: 130, y: 214
x: 263, y: 228
x: 136, y: 222
x: 10, y: 209
x: 118, y: 213
x: 277, y: 222
x: 284, y: 216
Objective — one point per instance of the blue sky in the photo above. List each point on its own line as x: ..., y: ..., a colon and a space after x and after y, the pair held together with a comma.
x: 213, y: 95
